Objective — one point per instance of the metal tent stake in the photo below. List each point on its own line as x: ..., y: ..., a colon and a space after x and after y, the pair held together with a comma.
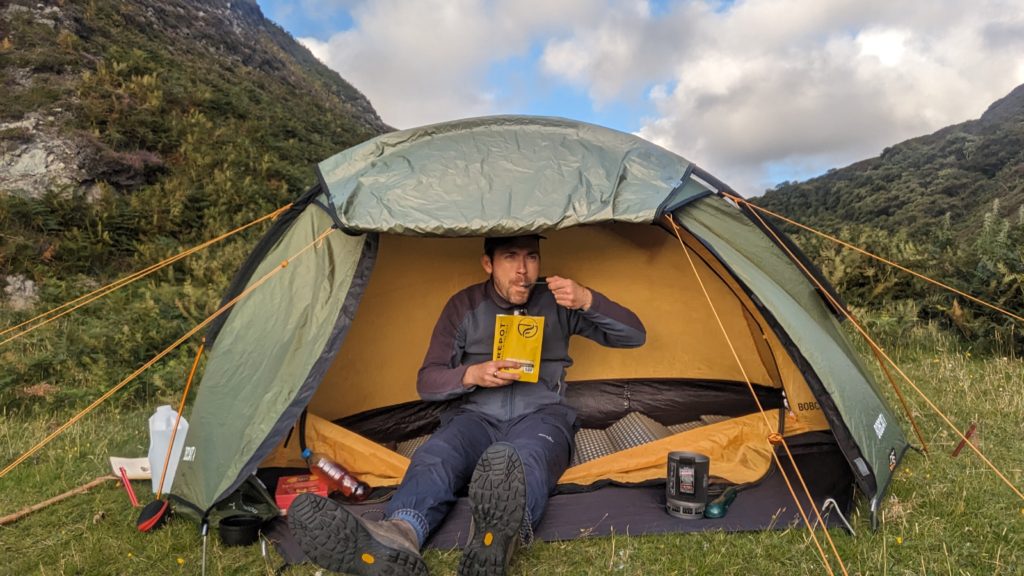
x: 205, y: 529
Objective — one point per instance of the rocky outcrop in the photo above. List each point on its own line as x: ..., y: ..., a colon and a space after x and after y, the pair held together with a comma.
x: 34, y: 158
x: 20, y: 293
x: 38, y: 14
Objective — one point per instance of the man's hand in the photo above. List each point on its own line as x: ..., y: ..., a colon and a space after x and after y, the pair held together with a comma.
x: 569, y: 293
x: 489, y: 374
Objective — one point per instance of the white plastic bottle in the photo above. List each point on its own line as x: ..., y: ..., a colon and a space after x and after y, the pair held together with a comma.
x: 161, y: 423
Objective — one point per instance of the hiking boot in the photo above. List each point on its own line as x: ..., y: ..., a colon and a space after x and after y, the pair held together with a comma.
x: 340, y: 541
x: 497, y: 496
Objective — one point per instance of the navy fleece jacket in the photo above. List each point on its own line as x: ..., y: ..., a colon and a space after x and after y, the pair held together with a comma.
x: 464, y: 335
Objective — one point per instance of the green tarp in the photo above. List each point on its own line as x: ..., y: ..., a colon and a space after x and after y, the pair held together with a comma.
x: 503, y: 175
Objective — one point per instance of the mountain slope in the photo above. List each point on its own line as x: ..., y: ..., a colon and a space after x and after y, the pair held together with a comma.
x: 128, y: 132
x: 183, y: 116
x: 949, y: 205
x: 107, y: 77
x: 911, y: 186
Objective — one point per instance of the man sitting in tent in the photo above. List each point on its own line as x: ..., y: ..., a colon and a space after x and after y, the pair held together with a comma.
x: 509, y: 439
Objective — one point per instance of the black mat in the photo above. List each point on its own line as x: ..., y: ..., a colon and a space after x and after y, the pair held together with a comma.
x: 641, y: 510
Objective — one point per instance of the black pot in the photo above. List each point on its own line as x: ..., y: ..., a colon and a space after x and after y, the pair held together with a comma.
x: 240, y: 530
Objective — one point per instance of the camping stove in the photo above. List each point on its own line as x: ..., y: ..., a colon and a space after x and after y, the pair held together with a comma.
x: 686, y: 489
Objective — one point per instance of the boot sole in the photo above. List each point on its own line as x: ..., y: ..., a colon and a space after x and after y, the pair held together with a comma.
x: 333, y: 538
x: 497, y: 495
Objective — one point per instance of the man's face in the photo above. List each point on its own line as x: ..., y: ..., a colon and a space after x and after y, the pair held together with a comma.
x: 514, y: 268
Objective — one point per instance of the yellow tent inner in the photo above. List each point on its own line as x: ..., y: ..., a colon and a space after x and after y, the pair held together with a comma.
x: 641, y: 266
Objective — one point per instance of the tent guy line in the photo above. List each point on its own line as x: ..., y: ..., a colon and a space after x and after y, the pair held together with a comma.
x: 773, y: 438
x: 122, y: 282
x: 875, y: 346
x: 117, y: 387
x: 885, y: 261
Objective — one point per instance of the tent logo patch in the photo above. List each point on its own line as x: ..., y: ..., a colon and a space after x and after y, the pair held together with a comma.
x: 880, y: 426
x: 189, y: 454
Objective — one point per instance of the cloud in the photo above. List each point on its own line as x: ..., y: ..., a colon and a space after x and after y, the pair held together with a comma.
x: 835, y: 83
x: 754, y: 91
x: 623, y: 53
x: 427, y: 61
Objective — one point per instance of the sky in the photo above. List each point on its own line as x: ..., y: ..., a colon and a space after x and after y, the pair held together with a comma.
x: 757, y: 92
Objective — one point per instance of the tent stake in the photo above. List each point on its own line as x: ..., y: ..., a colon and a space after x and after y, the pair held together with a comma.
x: 967, y: 436
x: 205, y: 531
x: 11, y: 518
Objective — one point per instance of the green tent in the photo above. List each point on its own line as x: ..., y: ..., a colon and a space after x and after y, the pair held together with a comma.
x: 325, y: 351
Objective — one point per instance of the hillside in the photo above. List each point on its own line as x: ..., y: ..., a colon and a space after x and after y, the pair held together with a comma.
x: 86, y: 82
x: 128, y: 132
x: 911, y: 186
x: 949, y: 205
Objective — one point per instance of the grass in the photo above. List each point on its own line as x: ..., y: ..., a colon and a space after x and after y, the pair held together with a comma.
x: 942, y: 515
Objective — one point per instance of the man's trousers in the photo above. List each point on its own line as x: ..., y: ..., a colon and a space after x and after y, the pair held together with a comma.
x: 442, y: 467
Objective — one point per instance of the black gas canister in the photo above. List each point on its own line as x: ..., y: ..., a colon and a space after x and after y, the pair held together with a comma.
x: 686, y: 490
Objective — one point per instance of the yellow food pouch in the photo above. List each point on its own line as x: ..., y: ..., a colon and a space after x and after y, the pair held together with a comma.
x: 519, y: 338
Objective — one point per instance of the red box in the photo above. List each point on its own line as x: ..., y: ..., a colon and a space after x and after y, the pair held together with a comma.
x: 288, y: 487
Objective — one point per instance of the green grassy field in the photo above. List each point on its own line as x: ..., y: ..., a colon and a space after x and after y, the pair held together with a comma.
x: 943, y: 515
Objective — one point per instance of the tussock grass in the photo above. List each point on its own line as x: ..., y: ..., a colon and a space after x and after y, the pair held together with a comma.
x: 942, y: 515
